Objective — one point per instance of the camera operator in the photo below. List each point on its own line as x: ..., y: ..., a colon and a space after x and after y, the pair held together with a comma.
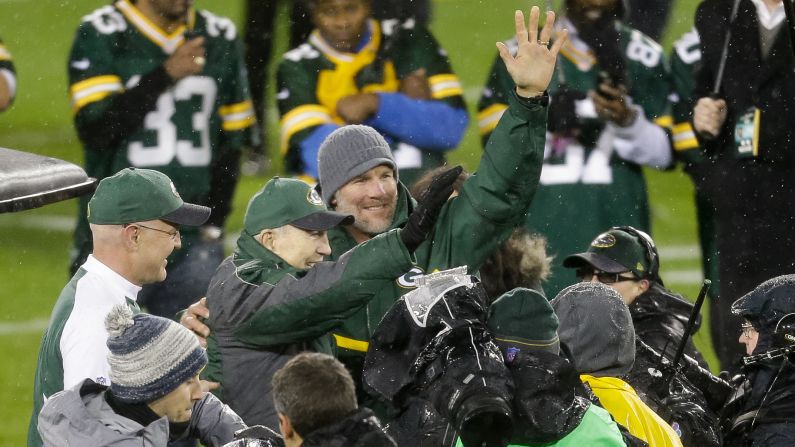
x: 762, y: 410
x: 495, y: 382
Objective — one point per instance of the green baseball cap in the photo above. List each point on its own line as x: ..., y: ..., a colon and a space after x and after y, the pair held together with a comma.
x: 284, y: 201
x: 136, y: 195
x: 523, y: 319
x: 614, y: 251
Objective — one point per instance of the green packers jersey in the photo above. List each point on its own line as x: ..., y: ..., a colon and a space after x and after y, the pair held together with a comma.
x: 7, y: 70
x: 314, y: 76
x: 6, y: 61
x: 585, y: 186
x: 685, y: 60
x: 194, y: 120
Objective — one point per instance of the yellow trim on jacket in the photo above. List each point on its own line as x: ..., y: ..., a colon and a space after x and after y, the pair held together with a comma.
x: 623, y: 403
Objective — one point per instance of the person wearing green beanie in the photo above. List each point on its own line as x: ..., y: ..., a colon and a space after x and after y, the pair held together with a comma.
x: 550, y: 407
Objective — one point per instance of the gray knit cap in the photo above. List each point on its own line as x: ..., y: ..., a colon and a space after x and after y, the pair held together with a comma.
x: 348, y: 152
x: 149, y: 356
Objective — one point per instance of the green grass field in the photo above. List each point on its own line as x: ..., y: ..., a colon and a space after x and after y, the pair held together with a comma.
x: 34, y: 245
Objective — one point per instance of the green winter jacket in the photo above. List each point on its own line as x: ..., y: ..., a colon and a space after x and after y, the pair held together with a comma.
x: 263, y: 312
x: 491, y: 203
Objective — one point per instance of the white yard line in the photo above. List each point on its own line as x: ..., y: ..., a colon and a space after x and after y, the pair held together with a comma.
x: 683, y: 277
x: 23, y: 327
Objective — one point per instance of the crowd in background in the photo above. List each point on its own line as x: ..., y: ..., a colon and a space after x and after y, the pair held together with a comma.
x: 380, y: 296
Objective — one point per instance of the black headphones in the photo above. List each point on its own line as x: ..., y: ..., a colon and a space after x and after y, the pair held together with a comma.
x: 651, y: 250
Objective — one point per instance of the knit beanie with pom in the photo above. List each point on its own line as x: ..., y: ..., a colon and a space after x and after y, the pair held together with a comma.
x: 149, y: 356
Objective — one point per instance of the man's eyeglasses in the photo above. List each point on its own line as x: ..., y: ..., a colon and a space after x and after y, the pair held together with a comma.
x: 585, y: 274
x: 748, y: 330
x: 174, y: 235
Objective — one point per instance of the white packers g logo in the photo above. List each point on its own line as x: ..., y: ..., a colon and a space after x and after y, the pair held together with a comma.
x: 604, y: 240
x: 313, y: 197
x: 174, y: 191
x: 408, y: 280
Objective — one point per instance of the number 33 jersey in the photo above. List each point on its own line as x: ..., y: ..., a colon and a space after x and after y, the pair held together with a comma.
x: 586, y: 184
x: 193, y: 121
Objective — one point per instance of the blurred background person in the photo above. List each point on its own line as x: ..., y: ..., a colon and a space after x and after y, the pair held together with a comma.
x: 353, y: 69
x: 745, y: 98
x: 608, y: 117
x: 8, y: 78
x: 162, y: 85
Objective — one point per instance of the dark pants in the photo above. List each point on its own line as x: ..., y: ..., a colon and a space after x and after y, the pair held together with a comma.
x: 756, y: 242
x: 258, y: 40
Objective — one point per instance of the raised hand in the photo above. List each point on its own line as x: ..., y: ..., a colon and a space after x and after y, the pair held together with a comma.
x: 534, y: 63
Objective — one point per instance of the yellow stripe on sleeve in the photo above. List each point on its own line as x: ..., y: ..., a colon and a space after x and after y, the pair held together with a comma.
x: 229, y: 109
x: 77, y: 87
x: 684, y: 137
x: 664, y: 121
x: 5, y: 55
x: 238, y: 124
x: 445, y: 85
x: 84, y: 101
x: 351, y: 344
x: 300, y: 118
x: 489, y: 117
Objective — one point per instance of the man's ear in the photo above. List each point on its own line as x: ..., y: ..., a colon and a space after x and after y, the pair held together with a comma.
x: 644, y: 285
x: 265, y: 238
x: 285, y: 426
x: 130, y: 236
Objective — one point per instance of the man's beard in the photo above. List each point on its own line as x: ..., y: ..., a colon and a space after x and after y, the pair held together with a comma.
x: 369, y: 226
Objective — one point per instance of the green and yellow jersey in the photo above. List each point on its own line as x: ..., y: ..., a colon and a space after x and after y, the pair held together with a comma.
x: 313, y: 77
x: 189, y: 129
x: 594, y: 181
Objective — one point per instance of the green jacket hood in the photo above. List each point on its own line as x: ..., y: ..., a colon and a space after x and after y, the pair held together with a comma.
x: 255, y: 264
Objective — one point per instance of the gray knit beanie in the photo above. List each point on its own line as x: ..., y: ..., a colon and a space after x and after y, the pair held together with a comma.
x: 149, y: 356
x: 348, y: 152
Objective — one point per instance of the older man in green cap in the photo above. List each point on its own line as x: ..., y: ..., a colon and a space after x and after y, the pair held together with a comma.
x: 135, y: 217
x: 275, y: 297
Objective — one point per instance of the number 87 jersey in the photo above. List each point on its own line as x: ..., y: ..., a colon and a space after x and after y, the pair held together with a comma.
x: 593, y: 180
x: 128, y: 112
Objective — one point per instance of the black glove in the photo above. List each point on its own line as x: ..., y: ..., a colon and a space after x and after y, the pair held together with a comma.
x: 429, y: 204
x: 562, y: 112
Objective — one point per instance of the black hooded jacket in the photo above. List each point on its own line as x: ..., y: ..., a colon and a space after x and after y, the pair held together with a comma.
x: 660, y: 317
x: 359, y: 429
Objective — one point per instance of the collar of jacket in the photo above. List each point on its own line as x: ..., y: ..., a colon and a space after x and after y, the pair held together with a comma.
x: 361, y: 426
x: 659, y: 301
x: 341, y: 241
x: 83, y: 417
x: 253, y: 262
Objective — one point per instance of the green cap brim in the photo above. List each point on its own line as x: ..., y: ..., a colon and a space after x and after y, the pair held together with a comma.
x: 595, y: 260
x: 322, y: 221
x: 188, y: 214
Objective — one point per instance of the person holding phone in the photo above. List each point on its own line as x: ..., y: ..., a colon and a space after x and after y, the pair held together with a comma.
x: 608, y: 114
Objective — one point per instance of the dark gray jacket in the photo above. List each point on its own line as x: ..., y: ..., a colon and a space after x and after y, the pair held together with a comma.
x: 263, y: 312
x: 82, y: 417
